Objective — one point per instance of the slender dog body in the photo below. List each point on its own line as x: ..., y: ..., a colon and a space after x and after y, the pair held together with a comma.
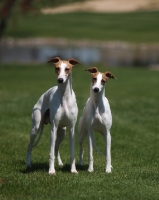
x: 96, y: 117
x: 58, y: 107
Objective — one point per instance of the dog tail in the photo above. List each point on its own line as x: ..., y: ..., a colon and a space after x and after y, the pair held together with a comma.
x: 39, y: 135
x: 95, y: 146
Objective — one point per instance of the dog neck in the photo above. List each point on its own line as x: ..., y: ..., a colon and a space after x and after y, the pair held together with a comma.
x: 66, y: 88
x: 97, y: 98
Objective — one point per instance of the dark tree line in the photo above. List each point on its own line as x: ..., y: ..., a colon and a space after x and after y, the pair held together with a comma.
x: 7, y: 7
x: 6, y: 10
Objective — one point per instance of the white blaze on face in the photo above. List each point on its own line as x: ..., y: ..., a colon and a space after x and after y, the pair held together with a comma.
x: 62, y: 71
x: 98, y: 82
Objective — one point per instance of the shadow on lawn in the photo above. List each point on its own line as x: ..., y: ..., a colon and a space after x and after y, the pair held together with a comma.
x: 45, y: 167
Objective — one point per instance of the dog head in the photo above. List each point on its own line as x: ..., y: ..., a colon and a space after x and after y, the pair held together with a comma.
x: 99, y: 78
x: 63, y: 68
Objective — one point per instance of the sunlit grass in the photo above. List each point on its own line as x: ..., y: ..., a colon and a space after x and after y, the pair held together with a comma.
x: 133, y: 99
x: 132, y: 27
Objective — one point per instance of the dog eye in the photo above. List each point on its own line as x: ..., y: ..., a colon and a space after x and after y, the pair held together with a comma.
x: 66, y: 69
x: 103, y: 81
x: 94, y: 79
x: 57, y: 70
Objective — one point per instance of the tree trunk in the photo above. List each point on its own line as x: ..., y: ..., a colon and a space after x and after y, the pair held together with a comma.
x: 5, y: 13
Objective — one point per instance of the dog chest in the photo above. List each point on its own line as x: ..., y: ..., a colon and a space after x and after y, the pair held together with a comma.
x: 101, y: 121
x: 97, y: 122
x: 66, y: 114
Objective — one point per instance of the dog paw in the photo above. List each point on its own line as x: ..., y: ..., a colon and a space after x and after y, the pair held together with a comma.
x: 52, y: 172
x: 74, y: 171
x: 60, y: 164
x: 90, y: 170
x: 108, y: 169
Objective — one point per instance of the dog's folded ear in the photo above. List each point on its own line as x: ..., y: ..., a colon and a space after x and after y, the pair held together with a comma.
x: 109, y: 75
x: 54, y: 60
x: 72, y: 61
x: 92, y: 70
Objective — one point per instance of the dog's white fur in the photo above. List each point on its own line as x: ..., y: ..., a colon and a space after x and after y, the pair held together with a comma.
x: 58, y: 107
x: 96, y: 117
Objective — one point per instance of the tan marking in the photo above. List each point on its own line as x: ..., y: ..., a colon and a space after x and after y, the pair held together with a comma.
x: 109, y: 75
x: 92, y: 70
x: 57, y: 62
x: 68, y: 68
x: 104, y: 79
x: 94, y: 77
x: 105, y: 76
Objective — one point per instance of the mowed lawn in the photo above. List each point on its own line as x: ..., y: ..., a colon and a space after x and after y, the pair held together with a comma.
x: 134, y: 103
x: 131, y: 27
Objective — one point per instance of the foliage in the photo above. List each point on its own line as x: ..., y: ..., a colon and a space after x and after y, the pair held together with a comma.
x: 12, y: 7
x: 135, y: 154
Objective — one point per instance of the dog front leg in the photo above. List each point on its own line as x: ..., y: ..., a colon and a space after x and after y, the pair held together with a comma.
x: 53, y: 135
x: 72, y: 150
x: 90, y: 151
x: 108, y: 151
x: 61, y: 132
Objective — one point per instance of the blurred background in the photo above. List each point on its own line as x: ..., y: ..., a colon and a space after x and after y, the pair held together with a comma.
x: 109, y: 32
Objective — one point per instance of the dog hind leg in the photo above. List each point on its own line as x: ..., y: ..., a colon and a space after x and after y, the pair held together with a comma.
x: 36, y: 120
x: 81, y: 135
x: 61, y: 132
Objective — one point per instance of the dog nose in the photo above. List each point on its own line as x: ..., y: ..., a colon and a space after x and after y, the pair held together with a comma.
x: 60, y: 80
x: 96, y: 89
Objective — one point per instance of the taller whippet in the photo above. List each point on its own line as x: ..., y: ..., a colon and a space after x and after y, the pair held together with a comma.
x: 96, y: 116
x: 58, y: 107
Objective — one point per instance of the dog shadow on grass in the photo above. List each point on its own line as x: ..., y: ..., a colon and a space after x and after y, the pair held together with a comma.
x: 44, y: 167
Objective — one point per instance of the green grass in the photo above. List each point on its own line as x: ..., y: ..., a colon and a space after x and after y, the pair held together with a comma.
x: 132, y: 27
x: 135, y: 154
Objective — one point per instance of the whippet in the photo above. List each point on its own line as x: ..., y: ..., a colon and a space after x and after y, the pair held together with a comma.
x: 96, y: 117
x: 58, y: 107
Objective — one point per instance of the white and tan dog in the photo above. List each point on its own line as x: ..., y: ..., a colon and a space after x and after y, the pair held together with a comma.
x: 96, y: 117
x: 58, y: 107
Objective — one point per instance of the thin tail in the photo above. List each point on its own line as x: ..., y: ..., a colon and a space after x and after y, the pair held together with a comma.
x: 94, y: 145
x: 39, y: 135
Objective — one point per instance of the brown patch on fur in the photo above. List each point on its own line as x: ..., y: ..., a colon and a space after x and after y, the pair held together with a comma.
x: 94, y: 79
x: 105, y: 76
x: 57, y: 70
x: 92, y: 70
x: 57, y: 62
x: 54, y: 60
x: 73, y: 62
x: 109, y: 75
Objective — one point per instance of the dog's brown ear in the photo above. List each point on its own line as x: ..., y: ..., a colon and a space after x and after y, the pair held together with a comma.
x: 109, y: 75
x: 73, y: 61
x: 92, y: 70
x: 54, y: 60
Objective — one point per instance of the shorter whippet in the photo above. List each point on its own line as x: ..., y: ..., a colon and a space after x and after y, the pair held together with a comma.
x: 96, y: 117
x: 58, y: 107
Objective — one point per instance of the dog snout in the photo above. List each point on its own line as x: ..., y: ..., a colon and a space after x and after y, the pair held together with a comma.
x: 60, y: 80
x: 96, y: 89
